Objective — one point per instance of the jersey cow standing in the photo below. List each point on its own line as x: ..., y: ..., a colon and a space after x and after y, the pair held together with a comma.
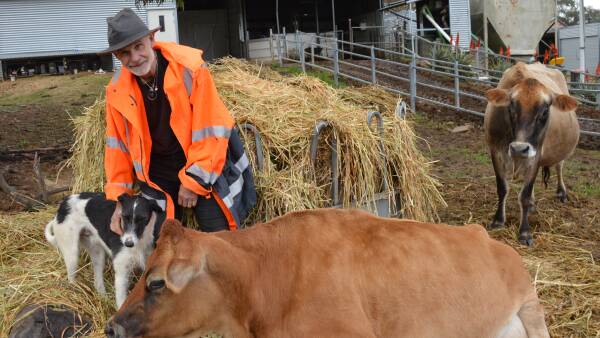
x: 529, y: 123
x: 332, y: 273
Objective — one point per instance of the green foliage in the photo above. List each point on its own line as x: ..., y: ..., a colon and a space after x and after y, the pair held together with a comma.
x: 499, y: 64
x: 322, y: 75
x: 568, y: 12
x: 449, y: 54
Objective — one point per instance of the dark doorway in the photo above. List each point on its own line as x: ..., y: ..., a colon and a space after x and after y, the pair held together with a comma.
x: 212, y: 26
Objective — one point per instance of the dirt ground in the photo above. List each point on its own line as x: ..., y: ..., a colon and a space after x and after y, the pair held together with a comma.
x: 461, y: 163
x: 36, y: 116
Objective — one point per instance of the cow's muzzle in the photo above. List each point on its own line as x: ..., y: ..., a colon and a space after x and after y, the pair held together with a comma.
x: 521, y: 150
x: 114, y: 330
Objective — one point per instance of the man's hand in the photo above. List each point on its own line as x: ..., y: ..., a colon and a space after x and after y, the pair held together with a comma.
x: 115, y: 220
x: 186, y: 197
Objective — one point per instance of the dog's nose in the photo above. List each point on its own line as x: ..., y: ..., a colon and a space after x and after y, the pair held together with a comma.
x: 129, y: 243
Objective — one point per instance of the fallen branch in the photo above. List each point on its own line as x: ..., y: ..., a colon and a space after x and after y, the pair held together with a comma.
x: 27, y: 202
x: 32, y: 151
x: 39, y: 178
x: 44, y: 153
x: 54, y: 191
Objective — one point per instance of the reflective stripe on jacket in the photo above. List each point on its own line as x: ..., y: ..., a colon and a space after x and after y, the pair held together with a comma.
x: 202, y: 125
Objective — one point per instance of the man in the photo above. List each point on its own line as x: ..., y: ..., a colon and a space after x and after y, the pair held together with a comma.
x: 168, y: 130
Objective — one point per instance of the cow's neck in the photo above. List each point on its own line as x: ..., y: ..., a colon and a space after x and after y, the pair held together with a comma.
x: 261, y: 248
x: 233, y: 268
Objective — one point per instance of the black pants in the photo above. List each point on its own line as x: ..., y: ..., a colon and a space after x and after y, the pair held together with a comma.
x: 208, y: 213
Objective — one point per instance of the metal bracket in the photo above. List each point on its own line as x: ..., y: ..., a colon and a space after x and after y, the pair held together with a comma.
x: 314, y: 142
x: 377, y: 115
x: 260, y: 160
x: 401, y: 109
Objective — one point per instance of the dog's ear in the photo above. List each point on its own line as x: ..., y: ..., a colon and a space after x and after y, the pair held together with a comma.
x: 123, y: 197
x: 155, y: 207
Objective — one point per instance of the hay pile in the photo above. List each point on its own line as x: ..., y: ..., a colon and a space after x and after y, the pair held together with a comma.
x: 31, y: 271
x: 87, y: 159
x: 285, y: 110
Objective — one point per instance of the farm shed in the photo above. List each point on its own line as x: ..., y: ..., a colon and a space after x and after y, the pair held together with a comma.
x: 453, y: 16
x: 309, y: 16
x: 568, y: 46
x: 56, y: 36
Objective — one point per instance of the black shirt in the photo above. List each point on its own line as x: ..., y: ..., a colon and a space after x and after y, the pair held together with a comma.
x: 167, y: 156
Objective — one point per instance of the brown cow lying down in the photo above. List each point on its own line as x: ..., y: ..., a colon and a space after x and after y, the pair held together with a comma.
x: 332, y: 273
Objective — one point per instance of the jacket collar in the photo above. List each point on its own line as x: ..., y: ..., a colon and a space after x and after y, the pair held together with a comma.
x: 125, y: 95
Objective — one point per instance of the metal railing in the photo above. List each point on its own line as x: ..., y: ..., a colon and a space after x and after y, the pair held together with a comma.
x: 494, y: 64
x: 426, y: 80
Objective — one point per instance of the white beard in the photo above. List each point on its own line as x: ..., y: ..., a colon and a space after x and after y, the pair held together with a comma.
x: 144, y: 68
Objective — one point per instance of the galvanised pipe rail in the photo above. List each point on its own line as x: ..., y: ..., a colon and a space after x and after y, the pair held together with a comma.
x: 453, y: 72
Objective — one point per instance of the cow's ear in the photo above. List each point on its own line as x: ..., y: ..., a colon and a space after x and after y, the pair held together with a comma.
x: 498, y: 97
x: 180, y: 273
x: 565, y: 102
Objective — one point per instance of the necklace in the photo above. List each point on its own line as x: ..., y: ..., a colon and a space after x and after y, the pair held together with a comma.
x: 152, y: 88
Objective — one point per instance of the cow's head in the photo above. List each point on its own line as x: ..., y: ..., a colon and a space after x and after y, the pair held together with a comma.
x: 174, y: 297
x: 527, y: 105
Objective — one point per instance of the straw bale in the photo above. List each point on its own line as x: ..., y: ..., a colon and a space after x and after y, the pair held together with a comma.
x: 87, y: 159
x: 285, y: 110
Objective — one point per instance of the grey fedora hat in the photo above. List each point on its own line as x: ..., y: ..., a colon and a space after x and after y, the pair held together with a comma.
x: 125, y: 28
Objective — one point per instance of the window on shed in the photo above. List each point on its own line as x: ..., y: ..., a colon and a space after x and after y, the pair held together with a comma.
x: 161, y: 22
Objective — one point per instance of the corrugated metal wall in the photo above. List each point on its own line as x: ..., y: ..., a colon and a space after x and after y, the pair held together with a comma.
x: 460, y: 21
x: 568, y: 46
x: 51, y: 27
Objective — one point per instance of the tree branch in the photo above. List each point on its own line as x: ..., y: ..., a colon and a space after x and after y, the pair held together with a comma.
x: 22, y: 199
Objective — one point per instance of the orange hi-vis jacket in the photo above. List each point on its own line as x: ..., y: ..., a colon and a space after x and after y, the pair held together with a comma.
x: 200, y: 121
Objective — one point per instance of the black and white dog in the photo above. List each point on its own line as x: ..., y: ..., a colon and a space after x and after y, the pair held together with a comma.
x: 85, y: 219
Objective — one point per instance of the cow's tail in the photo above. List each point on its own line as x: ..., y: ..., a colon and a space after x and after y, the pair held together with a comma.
x: 49, y: 232
x: 531, y: 315
x: 546, y: 176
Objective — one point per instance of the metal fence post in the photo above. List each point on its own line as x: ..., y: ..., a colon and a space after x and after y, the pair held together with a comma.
x: 373, y: 73
x: 297, y: 45
x: 279, y: 51
x: 413, y: 82
x: 271, y: 45
x: 336, y: 63
x: 416, y: 45
x: 285, y: 47
x: 598, y: 97
x: 456, y: 85
x: 312, y: 53
x: 302, y: 59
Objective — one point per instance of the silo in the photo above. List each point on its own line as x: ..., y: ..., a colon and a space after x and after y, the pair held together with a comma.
x: 520, y: 24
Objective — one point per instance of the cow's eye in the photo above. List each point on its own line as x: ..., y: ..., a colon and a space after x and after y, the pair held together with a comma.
x: 544, y: 113
x: 156, y: 285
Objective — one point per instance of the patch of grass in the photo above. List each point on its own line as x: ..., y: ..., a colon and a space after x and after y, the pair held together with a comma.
x: 54, y: 93
x: 322, y: 75
x: 591, y: 190
x: 480, y: 157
